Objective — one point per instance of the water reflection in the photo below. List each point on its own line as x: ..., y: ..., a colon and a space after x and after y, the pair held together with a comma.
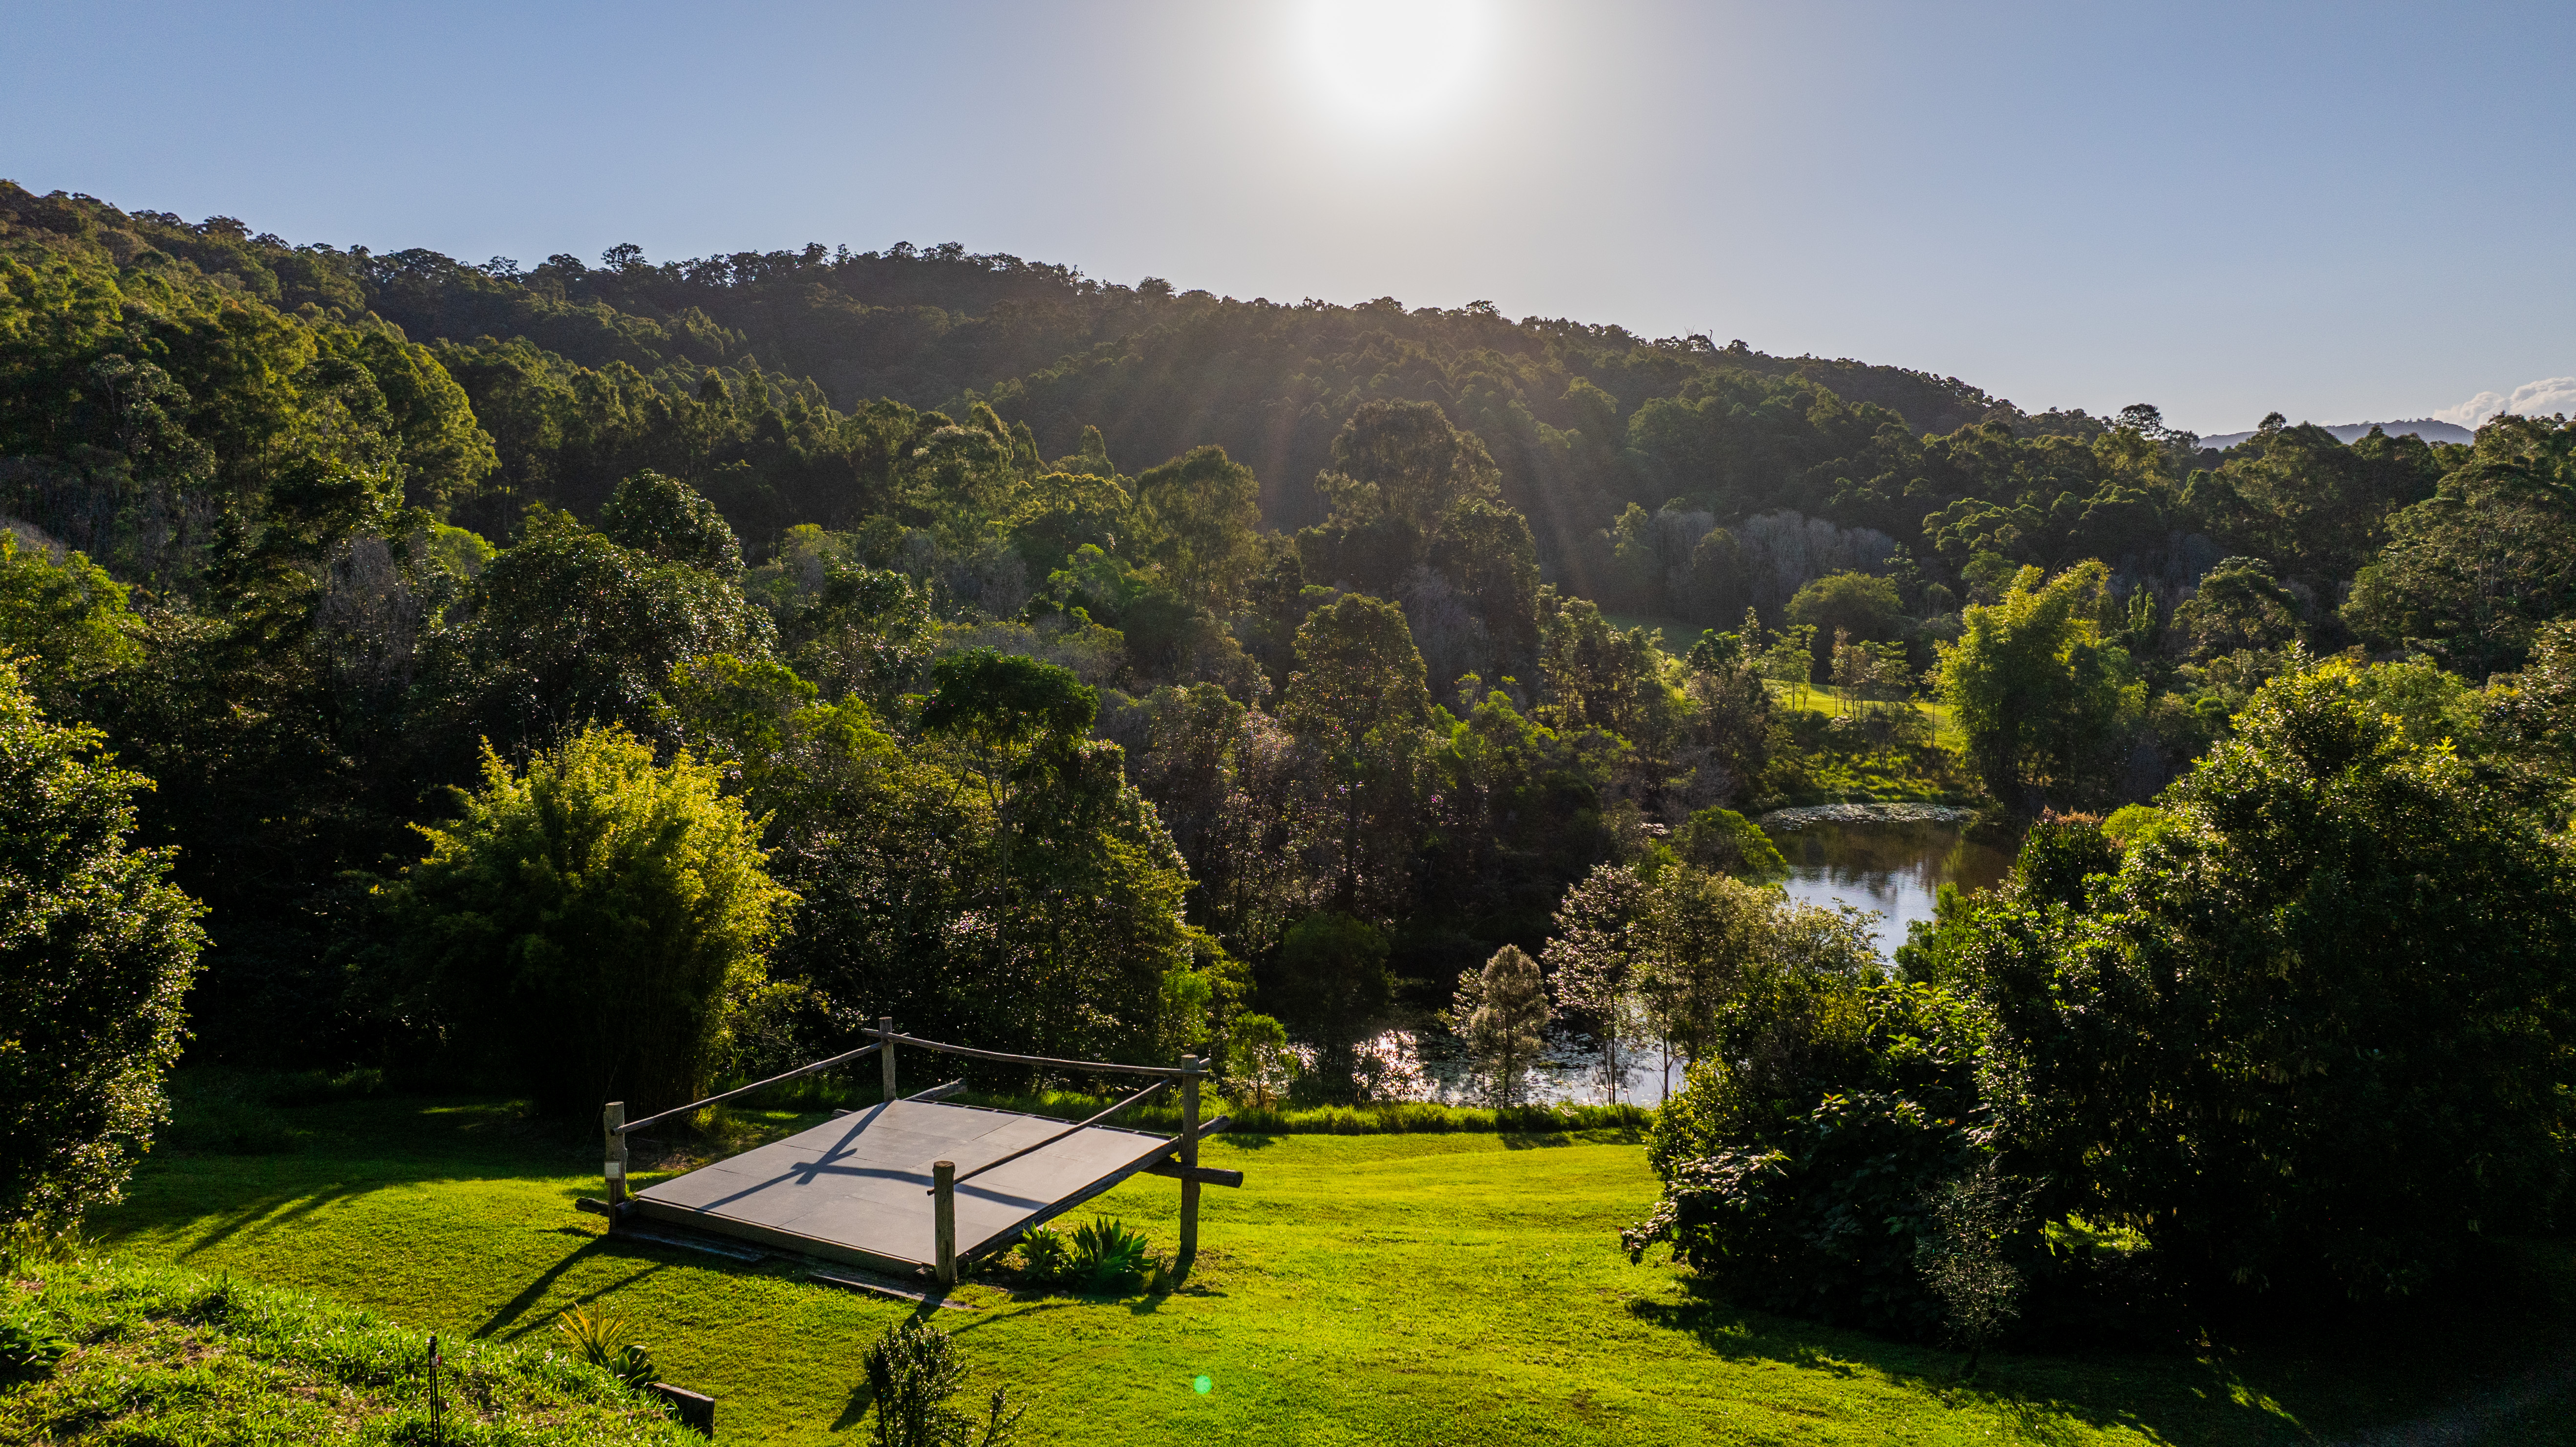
x: 1896, y: 869
x: 1430, y: 1064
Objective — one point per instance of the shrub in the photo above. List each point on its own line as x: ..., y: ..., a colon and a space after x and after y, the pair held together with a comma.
x: 913, y: 1370
x: 97, y: 949
x: 1965, y: 1262
x: 604, y: 1338
x: 1044, y: 1256
x: 1804, y: 1158
x: 1722, y: 841
x: 586, y: 923
x: 1108, y: 1257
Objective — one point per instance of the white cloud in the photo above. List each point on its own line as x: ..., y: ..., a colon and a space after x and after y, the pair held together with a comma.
x: 2546, y: 396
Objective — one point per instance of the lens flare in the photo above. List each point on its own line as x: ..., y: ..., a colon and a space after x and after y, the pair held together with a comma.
x: 1394, y: 62
x: 1202, y: 1386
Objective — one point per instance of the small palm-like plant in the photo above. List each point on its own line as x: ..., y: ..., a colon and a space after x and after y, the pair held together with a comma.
x: 1044, y: 1255
x: 1107, y: 1256
x: 601, y: 1334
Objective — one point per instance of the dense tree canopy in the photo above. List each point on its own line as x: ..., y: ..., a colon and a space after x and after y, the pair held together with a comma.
x: 2313, y: 1023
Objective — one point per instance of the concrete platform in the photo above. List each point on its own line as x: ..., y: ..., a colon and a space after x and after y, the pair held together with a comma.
x: 857, y: 1188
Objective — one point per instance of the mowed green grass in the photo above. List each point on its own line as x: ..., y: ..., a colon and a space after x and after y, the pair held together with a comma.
x: 1453, y: 1289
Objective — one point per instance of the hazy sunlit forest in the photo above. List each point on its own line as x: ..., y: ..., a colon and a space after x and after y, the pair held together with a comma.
x: 624, y: 679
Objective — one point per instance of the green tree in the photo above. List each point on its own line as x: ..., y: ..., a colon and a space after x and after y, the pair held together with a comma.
x: 665, y: 518
x: 2037, y: 691
x: 1595, y: 957
x: 2315, y: 506
x: 1009, y: 717
x: 1060, y: 513
x: 1206, y: 508
x: 1258, y: 1059
x: 2311, y: 1029
x: 896, y: 846
x: 1331, y: 980
x: 586, y: 924
x: 2533, y: 712
x: 1501, y: 1013
x: 2469, y: 573
x: 1830, y: 1100
x: 67, y: 622
x: 1358, y: 698
x: 1722, y: 841
x: 1858, y: 604
x: 1415, y: 499
x: 97, y: 949
x: 866, y: 633
x: 2238, y: 606
x: 1597, y: 675
x: 570, y: 628
x: 1403, y: 461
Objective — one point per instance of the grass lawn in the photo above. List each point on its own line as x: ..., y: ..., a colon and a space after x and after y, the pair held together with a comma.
x: 1418, y: 1288
x: 145, y: 1354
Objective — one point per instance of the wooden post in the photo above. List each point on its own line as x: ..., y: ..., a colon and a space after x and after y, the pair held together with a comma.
x: 609, y: 1121
x: 1190, y: 1065
x: 943, y: 1186
x: 885, y: 1053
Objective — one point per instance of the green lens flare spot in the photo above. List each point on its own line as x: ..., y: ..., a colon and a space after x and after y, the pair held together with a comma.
x: 1202, y: 1385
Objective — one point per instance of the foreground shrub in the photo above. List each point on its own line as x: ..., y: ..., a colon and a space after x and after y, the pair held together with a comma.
x: 97, y: 949
x: 913, y: 1371
x: 1102, y: 1255
x: 1805, y: 1165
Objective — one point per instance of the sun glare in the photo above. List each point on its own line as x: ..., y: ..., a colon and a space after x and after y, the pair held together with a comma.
x: 1389, y: 63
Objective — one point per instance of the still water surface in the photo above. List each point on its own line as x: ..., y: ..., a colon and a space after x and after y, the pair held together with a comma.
x: 1895, y: 870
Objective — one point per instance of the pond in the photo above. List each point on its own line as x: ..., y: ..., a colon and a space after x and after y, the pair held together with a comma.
x: 1895, y: 867
x: 1844, y: 854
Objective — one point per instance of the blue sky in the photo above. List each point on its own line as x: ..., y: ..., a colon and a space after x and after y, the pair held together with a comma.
x: 2343, y: 212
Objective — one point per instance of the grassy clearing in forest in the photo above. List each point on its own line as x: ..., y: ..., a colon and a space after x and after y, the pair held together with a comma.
x: 1822, y: 766
x: 1407, y: 1288
x: 1820, y: 763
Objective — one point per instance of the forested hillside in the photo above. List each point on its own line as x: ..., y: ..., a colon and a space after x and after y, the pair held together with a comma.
x: 770, y: 642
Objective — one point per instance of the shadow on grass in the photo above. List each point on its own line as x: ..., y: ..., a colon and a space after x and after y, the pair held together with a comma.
x: 281, y: 1209
x: 2033, y: 1393
x: 2445, y: 1372
x: 544, y: 1282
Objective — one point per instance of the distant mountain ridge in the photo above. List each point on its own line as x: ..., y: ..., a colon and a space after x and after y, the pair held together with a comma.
x: 2424, y: 427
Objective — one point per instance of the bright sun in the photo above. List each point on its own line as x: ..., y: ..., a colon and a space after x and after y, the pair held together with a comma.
x: 1393, y: 62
